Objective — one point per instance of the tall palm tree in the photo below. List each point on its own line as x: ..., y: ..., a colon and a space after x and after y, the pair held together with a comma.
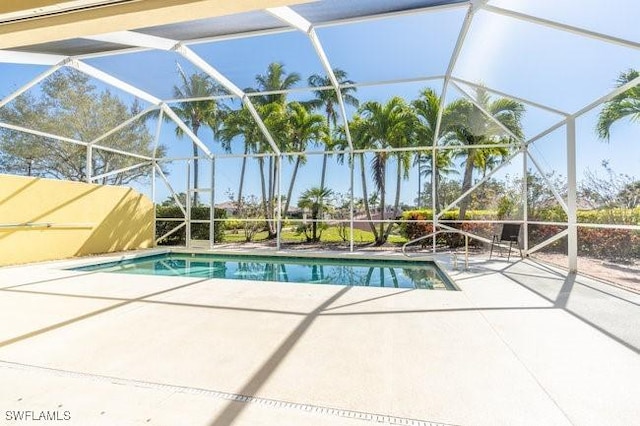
x: 272, y: 107
x: 276, y: 78
x: 315, y: 199
x: 470, y: 126
x: 626, y: 104
x: 328, y: 100
x: 444, y: 167
x: 360, y: 142
x: 241, y: 123
x: 389, y: 125
x: 427, y: 109
x: 199, y: 113
x: 304, y: 127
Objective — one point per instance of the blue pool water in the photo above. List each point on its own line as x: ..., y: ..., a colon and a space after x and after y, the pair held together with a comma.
x: 351, y: 272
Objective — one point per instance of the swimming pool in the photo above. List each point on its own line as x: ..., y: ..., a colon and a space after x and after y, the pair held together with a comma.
x: 304, y: 270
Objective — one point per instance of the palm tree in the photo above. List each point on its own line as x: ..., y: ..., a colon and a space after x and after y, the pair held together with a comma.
x: 427, y: 109
x: 470, y: 126
x: 444, y: 167
x: 626, y: 104
x: 327, y: 100
x: 314, y: 199
x: 272, y: 107
x: 304, y: 127
x: 275, y: 79
x: 388, y: 126
x: 242, y: 124
x: 199, y: 113
x: 360, y: 142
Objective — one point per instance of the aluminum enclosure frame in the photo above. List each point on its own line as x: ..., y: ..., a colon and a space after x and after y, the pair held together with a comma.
x: 141, y: 42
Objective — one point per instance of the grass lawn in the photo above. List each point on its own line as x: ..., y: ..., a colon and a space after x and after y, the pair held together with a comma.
x: 329, y: 235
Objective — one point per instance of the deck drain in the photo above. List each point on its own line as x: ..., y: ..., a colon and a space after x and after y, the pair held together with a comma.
x: 247, y: 399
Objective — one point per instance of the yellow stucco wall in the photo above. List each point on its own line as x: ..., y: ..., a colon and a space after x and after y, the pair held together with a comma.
x: 85, y: 219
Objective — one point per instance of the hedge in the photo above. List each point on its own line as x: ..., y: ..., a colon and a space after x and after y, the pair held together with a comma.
x: 199, y: 231
x: 614, y: 216
x: 593, y: 242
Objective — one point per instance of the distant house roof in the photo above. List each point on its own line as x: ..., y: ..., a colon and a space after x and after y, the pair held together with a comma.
x: 227, y: 205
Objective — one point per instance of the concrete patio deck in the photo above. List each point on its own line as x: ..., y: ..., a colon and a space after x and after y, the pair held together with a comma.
x: 522, y: 343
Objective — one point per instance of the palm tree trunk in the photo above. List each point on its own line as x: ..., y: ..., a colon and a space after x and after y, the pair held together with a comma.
x: 262, y: 186
x: 195, y: 174
x: 325, y: 157
x: 383, y: 192
x: 291, y: 183
x: 195, y: 127
x: 272, y: 232
x: 324, y: 170
x: 397, y: 200
x: 242, y: 172
x: 314, y: 225
x: 365, y: 198
x: 466, y: 182
x: 435, y: 180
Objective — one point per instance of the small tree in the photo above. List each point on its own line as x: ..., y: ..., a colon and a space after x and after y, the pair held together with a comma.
x: 611, y: 190
x: 342, y: 214
x: 316, y: 200
x: 250, y: 212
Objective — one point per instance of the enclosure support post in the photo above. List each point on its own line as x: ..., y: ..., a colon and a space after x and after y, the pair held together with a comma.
x: 351, y: 180
x: 279, y: 203
x: 212, y: 210
x: 419, y: 203
x: 525, y: 201
x: 188, y: 210
x: 153, y: 200
x: 89, y: 167
x: 572, y: 246
x: 462, y: 35
x: 434, y: 173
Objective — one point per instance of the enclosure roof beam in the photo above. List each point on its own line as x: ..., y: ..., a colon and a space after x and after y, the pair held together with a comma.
x: 115, y: 82
x: 295, y: 20
x: 187, y: 131
x: 562, y: 27
x: 133, y: 38
x: 275, y: 31
x: 30, y: 84
x: 70, y: 140
x: 29, y: 58
x: 196, y: 60
x: 125, y: 124
x: 507, y: 95
x: 484, y: 111
x: 617, y: 91
x: 112, y: 81
x: 462, y: 35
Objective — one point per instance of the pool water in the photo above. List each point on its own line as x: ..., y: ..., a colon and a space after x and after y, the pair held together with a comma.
x: 351, y: 272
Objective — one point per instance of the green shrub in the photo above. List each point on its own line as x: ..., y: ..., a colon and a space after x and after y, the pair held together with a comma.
x: 612, y: 216
x: 199, y: 231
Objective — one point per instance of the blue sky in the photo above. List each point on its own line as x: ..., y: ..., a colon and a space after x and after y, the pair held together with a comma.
x: 555, y: 68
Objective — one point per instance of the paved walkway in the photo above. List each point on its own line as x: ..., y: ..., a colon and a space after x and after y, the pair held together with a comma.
x: 522, y: 343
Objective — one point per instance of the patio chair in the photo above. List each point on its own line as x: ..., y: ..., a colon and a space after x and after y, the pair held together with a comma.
x: 509, y: 233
